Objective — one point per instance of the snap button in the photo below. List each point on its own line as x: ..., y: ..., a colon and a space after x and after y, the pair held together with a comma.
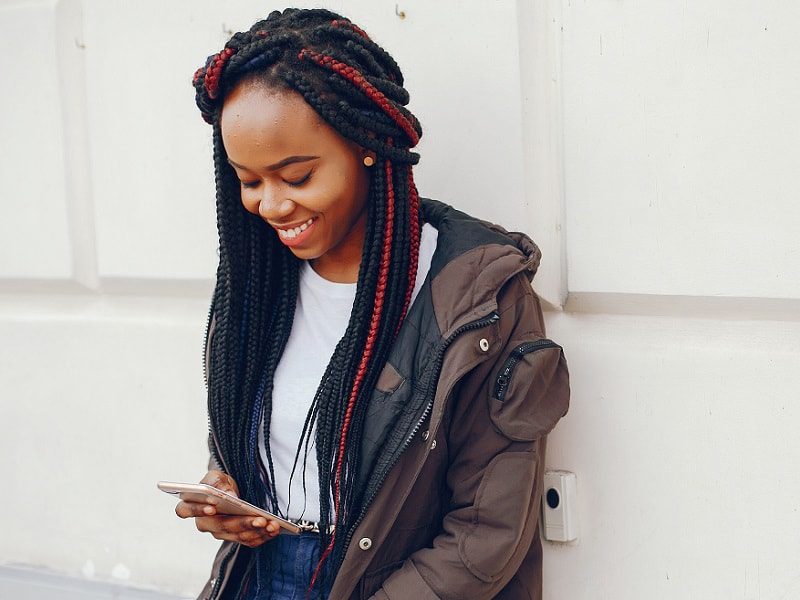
x: 425, y: 435
x: 365, y: 543
x: 484, y: 344
x: 433, y: 445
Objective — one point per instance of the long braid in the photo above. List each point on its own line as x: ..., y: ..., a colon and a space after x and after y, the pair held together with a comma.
x: 356, y: 87
x: 413, y: 202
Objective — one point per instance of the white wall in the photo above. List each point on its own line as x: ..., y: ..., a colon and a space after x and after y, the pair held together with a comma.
x: 680, y: 148
x: 681, y: 144
x: 647, y: 146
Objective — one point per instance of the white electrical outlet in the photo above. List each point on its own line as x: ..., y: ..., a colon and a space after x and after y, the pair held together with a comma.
x: 559, y: 505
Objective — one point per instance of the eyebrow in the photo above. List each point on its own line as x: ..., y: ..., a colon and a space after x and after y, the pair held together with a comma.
x: 280, y: 164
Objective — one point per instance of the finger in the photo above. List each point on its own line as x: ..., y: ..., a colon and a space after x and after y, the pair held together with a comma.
x: 221, y: 524
x: 251, y: 538
x: 183, y: 510
x: 221, y: 481
x: 207, y: 524
x: 255, y: 538
x: 214, y: 525
x: 186, y: 509
x: 237, y: 524
x: 216, y: 479
x: 247, y: 538
x: 273, y: 527
x: 212, y: 477
x: 263, y: 528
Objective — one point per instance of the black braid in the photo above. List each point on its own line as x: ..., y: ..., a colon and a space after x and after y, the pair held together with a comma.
x: 257, y: 277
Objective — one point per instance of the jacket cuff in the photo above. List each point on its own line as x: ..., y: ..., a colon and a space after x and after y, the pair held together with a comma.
x: 405, y: 583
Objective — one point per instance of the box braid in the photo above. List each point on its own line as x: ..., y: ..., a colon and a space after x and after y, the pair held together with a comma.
x: 357, y: 88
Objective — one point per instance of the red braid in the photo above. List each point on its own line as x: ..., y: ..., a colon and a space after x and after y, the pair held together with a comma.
x: 380, y: 293
x: 357, y: 79
x: 413, y: 210
x: 351, y: 26
x: 214, y: 71
x: 197, y: 75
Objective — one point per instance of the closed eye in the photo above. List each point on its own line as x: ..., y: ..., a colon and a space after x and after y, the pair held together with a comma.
x: 250, y: 184
x: 302, y: 180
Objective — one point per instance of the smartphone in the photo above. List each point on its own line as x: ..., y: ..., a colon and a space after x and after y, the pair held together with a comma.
x: 226, y: 504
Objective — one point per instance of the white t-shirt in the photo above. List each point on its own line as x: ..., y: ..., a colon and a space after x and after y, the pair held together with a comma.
x: 320, y: 320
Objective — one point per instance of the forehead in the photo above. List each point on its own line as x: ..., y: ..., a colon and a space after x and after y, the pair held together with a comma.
x: 254, y: 115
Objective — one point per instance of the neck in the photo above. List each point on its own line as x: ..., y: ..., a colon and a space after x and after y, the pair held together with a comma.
x: 341, y: 264
x: 336, y: 272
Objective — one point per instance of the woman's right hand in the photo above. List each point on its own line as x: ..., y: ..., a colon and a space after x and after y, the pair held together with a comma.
x: 249, y: 531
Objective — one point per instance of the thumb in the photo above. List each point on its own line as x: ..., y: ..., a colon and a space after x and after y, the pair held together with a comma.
x: 227, y: 484
x: 221, y: 481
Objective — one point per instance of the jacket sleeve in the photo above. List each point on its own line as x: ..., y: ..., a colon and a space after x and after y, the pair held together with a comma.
x: 496, y: 452
x: 213, y: 464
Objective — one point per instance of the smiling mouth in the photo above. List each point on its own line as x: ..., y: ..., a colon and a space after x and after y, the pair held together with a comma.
x: 290, y: 234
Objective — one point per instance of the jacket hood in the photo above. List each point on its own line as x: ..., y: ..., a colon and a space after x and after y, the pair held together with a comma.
x: 473, y: 260
x: 474, y: 232
x: 526, y: 246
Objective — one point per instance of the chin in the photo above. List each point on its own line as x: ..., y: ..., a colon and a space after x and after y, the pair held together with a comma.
x: 304, y: 253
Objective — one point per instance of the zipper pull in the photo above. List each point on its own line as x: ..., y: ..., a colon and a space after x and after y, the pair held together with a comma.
x: 502, y: 382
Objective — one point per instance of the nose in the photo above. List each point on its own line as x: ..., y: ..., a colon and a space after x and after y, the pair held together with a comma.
x: 272, y: 205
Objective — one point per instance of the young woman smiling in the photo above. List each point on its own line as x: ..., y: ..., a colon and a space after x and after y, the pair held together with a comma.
x: 376, y: 363
x: 299, y: 175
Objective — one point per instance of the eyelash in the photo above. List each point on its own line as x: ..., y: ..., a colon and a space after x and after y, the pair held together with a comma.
x: 302, y: 180
x: 298, y: 183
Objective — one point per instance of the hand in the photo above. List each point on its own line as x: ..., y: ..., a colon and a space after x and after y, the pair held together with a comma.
x: 249, y: 531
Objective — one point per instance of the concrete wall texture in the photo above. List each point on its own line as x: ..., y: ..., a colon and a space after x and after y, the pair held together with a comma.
x: 649, y: 147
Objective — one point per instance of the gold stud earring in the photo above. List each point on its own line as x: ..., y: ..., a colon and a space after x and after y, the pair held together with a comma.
x: 368, y: 161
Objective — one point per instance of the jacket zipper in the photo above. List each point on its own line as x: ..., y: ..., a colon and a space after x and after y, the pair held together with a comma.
x: 220, y: 574
x: 517, y: 354
x: 482, y: 322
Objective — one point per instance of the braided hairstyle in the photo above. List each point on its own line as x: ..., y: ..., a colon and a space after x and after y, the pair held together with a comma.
x: 357, y: 88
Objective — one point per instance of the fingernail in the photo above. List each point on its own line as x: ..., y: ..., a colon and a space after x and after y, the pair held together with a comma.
x: 208, y: 510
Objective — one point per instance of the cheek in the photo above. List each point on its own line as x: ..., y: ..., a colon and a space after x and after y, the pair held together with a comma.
x: 250, y: 201
x: 354, y: 188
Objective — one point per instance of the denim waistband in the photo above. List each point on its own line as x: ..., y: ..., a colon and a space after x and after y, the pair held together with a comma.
x: 282, y: 569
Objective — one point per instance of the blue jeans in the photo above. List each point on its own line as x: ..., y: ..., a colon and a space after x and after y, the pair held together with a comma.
x: 283, y: 569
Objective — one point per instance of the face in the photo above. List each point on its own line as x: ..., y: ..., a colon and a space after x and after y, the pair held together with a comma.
x: 299, y: 175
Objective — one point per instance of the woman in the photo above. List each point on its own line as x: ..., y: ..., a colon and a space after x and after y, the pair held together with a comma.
x: 376, y: 362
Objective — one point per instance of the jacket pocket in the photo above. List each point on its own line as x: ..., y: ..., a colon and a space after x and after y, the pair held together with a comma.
x: 389, y: 380
x: 502, y: 505
x: 530, y: 392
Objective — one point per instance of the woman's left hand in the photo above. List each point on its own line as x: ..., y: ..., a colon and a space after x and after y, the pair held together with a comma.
x: 247, y: 530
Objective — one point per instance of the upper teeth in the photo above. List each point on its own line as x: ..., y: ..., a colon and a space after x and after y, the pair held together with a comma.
x: 295, y: 231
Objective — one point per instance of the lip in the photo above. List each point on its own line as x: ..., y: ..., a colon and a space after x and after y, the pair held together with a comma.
x: 290, y: 225
x: 300, y: 239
